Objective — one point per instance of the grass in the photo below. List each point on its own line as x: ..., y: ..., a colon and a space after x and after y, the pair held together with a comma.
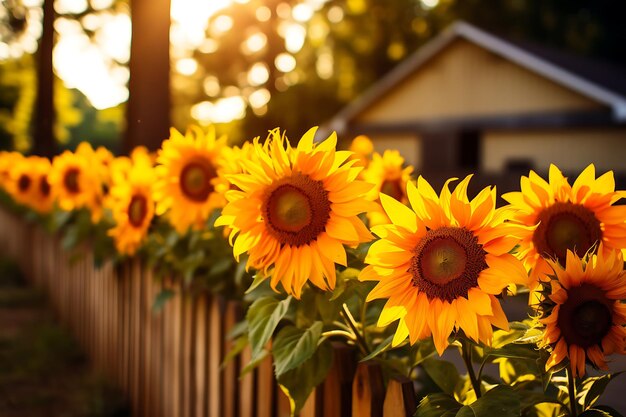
x: 42, y: 369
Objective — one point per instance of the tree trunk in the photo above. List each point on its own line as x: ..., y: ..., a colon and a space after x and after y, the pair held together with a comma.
x: 43, y: 135
x: 148, y: 118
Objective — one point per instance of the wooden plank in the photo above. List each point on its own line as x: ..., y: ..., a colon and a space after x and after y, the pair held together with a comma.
x: 156, y: 355
x: 368, y: 391
x: 337, y: 387
x: 148, y: 296
x: 200, y: 382
x: 312, y: 406
x: 265, y: 388
x: 187, y: 356
x: 247, y: 394
x: 283, y: 408
x: 168, y: 392
x: 230, y: 371
x: 214, y: 385
x: 400, y: 400
x: 137, y: 312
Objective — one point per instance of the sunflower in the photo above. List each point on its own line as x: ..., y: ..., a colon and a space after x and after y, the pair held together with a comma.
x: 189, y: 186
x: 22, y: 182
x: 73, y: 182
x: 132, y: 206
x: 441, y: 264
x: 570, y: 217
x: 584, y: 316
x: 362, y: 148
x: 295, y: 209
x: 7, y: 162
x: 43, y: 200
x: 389, y: 176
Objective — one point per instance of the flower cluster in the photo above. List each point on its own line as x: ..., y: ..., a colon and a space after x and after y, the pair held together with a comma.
x: 309, y: 219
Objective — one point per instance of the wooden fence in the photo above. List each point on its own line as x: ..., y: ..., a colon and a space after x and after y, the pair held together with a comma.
x: 169, y: 363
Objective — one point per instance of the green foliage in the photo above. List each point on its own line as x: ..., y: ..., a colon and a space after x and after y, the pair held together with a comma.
x: 298, y: 382
x: 263, y: 317
x: 293, y: 346
x: 500, y: 401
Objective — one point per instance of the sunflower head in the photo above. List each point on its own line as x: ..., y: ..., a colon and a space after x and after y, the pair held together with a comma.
x: 388, y: 174
x: 362, y: 148
x: 43, y: 200
x: 22, y: 180
x: 583, y: 315
x: 574, y: 217
x: 441, y: 263
x: 74, y: 182
x: 132, y: 205
x: 189, y: 185
x: 293, y: 209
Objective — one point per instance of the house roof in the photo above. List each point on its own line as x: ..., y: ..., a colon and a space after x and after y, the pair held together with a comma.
x: 593, y: 79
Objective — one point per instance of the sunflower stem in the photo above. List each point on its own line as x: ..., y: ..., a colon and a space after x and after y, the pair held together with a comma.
x: 351, y: 322
x: 349, y: 336
x: 466, y: 353
x: 571, y: 389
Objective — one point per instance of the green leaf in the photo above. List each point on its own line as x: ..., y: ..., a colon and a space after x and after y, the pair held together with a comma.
x: 382, y: 347
x: 514, y: 351
x: 292, y: 346
x: 238, y: 346
x: 263, y: 317
x: 530, y: 399
x: 254, y: 363
x: 422, y: 350
x: 594, y: 412
x: 437, y: 405
x: 500, y: 401
x: 593, y: 387
x: 611, y: 411
x: 299, y: 382
x: 443, y: 373
x: 161, y: 299
x: 258, y: 280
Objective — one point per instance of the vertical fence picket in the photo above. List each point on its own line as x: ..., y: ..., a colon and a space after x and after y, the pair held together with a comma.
x: 230, y: 370
x: 367, y: 391
x: 187, y: 357
x: 337, y: 387
x: 215, y: 354
x: 400, y: 400
x: 200, y: 347
x: 265, y: 388
x: 246, y: 395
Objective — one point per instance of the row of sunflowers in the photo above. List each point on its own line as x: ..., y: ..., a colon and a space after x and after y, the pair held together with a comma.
x: 344, y: 245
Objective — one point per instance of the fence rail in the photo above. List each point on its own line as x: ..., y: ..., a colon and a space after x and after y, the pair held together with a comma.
x: 169, y: 363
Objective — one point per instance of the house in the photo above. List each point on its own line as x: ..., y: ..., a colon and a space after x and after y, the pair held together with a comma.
x: 469, y: 101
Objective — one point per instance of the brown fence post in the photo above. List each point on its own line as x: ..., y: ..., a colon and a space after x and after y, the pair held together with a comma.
x: 337, y: 387
x: 368, y: 391
x: 400, y: 400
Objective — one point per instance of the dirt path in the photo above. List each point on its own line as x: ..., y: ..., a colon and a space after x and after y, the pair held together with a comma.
x: 42, y: 370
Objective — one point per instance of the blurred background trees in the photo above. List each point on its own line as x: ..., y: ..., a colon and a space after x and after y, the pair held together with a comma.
x: 251, y: 65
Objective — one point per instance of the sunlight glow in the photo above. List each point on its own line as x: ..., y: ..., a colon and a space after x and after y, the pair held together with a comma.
x: 70, y: 6
x: 187, y: 66
x: 285, y: 62
x: 222, y: 111
x: 258, y: 74
x: 429, y: 4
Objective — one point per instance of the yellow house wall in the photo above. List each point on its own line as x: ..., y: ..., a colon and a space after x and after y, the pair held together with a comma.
x: 409, y: 146
x: 465, y: 80
x: 569, y: 150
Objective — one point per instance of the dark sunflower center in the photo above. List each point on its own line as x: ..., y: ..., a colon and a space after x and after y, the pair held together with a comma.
x: 195, y: 180
x: 566, y: 226
x: 296, y: 210
x: 44, y: 186
x: 585, y: 318
x: 70, y: 180
x: 447, y: 262
x: 137, y: 210
x: 23, y: 182
x: 393, y: 188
